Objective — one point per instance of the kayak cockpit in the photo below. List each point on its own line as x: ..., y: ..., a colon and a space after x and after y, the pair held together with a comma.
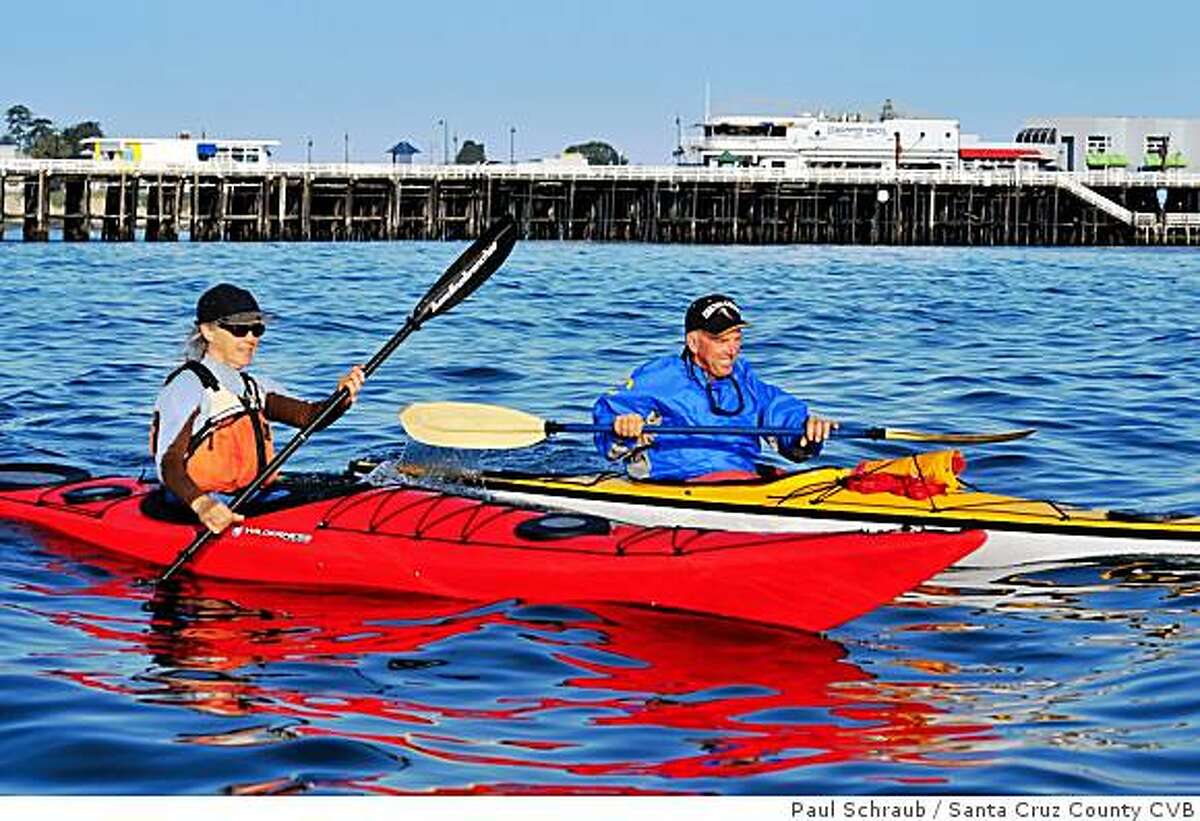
x: 288, y: 491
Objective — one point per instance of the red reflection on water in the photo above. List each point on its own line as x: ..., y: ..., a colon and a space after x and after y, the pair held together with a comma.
x: 729, y: 698
x: 758, y: 700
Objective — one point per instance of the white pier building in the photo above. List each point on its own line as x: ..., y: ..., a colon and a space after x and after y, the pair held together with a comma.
x: 182, y: 149
x: 809, y: 141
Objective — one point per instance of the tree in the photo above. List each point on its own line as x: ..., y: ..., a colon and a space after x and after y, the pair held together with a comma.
x: 597, y: 153
x: 18, y: 118
x: 41, y: 140
x: 73, y: 135
x: 471, y: 153
x: 39, y: 137
x: 47, y: 146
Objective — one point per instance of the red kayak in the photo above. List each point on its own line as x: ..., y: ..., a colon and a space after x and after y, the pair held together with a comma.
x: 337, y: 534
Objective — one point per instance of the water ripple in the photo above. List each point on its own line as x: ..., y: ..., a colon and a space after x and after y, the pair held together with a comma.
x: 1068, y: 680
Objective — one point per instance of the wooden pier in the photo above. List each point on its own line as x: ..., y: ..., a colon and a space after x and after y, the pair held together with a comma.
x: 81, y: 200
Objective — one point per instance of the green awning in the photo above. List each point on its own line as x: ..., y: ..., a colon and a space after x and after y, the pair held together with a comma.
x: 1155, y: 161
x: 1098, y: 160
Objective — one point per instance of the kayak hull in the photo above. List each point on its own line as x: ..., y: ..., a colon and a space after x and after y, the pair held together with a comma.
x: 420, y: 541
x: 1020, y: 531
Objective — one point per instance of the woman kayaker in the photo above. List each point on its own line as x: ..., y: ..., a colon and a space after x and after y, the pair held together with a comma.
x: 705, y: 384
x: 210, y: 435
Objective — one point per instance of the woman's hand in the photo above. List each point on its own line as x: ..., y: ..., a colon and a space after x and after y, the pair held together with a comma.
x: 353, y: 382
x: 214, y: 514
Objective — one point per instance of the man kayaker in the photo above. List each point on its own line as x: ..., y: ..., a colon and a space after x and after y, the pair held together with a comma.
x: 211, y: 434
x: 705, y: 384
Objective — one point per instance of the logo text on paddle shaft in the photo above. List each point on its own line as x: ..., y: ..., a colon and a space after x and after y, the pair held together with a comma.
x: 268, y: 533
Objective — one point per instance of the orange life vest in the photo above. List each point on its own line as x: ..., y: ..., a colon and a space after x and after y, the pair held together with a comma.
x: 233, y: 442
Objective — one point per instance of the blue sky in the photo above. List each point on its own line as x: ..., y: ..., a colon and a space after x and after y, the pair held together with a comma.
x: 563, y: 72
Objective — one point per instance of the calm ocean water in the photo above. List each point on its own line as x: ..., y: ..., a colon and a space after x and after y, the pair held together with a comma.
x: 1079, y: 679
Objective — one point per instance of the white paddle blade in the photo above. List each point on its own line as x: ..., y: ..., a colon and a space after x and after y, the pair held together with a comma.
x: 471, y: 426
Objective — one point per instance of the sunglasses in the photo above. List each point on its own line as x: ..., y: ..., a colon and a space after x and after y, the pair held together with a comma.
x: 240, y: 330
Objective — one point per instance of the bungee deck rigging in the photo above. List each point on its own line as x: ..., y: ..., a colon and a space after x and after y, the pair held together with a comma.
x: 827, y: 498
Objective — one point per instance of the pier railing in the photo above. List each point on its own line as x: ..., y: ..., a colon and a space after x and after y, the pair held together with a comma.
x: 569, y: 171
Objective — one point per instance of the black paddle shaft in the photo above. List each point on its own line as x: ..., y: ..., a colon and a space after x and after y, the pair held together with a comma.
x: 466, y: 274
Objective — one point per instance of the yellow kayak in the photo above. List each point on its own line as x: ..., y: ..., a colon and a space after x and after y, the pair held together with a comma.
x: 829, y: 499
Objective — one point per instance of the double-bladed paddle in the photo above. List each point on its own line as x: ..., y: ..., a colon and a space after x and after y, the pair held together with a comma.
x: 471, y: 425
x: 466, y: 274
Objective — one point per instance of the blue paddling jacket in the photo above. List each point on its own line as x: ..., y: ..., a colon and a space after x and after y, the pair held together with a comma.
x: 672, y: 390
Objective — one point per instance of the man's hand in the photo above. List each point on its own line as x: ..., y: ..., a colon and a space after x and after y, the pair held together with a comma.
x: 215, y: 514
x: 629, y: 425
x: 816, y: 430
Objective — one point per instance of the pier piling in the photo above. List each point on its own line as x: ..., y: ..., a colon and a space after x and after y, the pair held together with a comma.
x: 627, y: 204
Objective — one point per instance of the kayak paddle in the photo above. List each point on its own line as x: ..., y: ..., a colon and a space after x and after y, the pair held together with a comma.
x: 470, y: 425
x: 464, y: 275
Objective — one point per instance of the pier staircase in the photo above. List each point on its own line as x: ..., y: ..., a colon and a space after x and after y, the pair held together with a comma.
x: 1091, y: 197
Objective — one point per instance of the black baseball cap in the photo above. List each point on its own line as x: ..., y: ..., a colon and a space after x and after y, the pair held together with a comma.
x: 714, y: 314
x: 227, y: 301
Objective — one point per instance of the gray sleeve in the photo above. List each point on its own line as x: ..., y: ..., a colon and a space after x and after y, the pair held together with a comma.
x: 175, y: 406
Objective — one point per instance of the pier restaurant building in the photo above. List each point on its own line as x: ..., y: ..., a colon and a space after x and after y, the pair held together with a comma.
x: 808, y: 141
